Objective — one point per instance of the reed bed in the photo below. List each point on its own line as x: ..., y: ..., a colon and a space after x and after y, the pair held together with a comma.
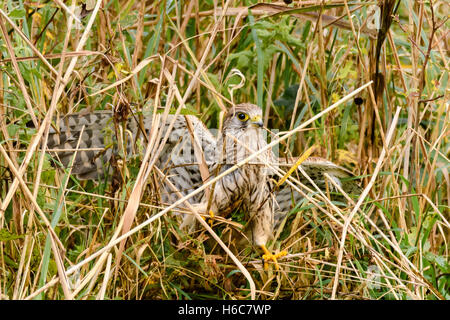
x: 365, y: 82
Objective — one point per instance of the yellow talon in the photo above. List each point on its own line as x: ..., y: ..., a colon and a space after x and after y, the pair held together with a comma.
x: 211, y: 218
x: 269, y: 256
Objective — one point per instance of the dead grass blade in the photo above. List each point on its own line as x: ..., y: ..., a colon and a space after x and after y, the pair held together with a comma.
x: 360, y: 201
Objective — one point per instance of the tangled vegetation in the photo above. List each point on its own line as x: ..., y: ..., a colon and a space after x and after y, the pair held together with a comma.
x: 294, y: 59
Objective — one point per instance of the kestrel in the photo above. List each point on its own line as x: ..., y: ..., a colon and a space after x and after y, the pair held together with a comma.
x: 250, y: 185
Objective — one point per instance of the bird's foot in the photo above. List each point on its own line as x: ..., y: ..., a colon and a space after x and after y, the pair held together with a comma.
x: 211, y: 218
x: 270, y: 256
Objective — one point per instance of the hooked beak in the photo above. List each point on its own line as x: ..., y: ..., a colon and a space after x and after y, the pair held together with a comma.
x: 257, y: 122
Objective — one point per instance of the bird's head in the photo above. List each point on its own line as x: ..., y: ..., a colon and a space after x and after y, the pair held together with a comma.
x: 242, y: 133
x: 242, y: 117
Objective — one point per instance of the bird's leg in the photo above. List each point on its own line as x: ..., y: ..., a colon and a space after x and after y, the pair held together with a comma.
x: 189, y: 219
x: 262, y: 231
x: 211, y: 218
x: 269, y: 256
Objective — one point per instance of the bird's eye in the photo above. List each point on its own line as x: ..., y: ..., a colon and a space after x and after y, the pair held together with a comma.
x: 242, y: 116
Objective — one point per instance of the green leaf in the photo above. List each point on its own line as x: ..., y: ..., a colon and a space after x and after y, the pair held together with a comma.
x: 18, y: 13
x: 5, y: 235
x: 440, y: 261
x: 185, y: 111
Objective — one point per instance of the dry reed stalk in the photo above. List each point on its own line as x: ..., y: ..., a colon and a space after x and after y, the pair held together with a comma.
x: 28, y: 42
x: 35, y: 192
x: 217, y: 238
x: 301, y: 85
x: 132, y: 207
x: 106, y: 277
x: 53, y: 56
x: 202, y: 188
x: 378, y: 258
x: 56, y: 94
x: 29, y: 195
x: 361, y: 199
x: 18, y: 73
x: 394, y: 217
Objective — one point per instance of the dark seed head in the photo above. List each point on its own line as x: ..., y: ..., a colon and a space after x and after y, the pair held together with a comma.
x: 359, y: 101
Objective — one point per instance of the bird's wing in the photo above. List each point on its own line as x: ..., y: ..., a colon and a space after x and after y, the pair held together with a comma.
x: 182, y: 163
x: 91, y: 130
x: 177, y: 159
x: 98, y: 143
x: 315, y: 168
